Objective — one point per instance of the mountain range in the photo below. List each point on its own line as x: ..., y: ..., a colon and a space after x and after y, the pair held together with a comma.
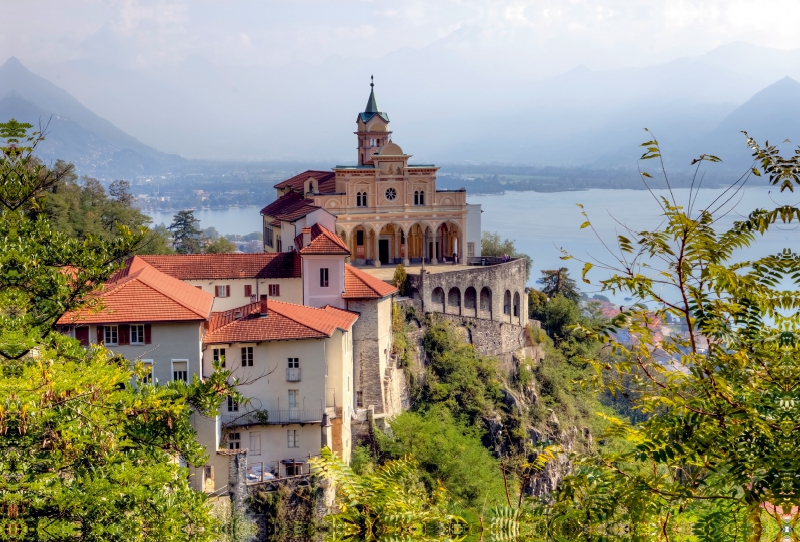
x: 442, y: 111
x: 75, y: 133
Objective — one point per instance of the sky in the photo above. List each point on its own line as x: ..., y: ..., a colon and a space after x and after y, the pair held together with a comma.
x: 138, y: 61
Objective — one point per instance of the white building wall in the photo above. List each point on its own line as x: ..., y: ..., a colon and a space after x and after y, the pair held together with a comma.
x: 180, y: 341
x: 473, y: 228
x: 266, y: 385
x: 291, y: 290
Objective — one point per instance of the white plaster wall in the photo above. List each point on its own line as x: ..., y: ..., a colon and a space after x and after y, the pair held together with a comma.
x: 275, y: 443
x: 313, y: 294
x: 473, y: 228
x: 169, y: 341
x: 268, y: 388
x: 291, y: 290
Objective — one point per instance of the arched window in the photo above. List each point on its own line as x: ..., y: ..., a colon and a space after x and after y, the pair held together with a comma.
x: 361, y: 199
x: 422, y: 197
x: 416, y: 197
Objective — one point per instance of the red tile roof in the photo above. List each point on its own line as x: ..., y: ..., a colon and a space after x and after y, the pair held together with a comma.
x: 141, y: 293
x: 289, y: 207
x: 361, y: 285
x: 326, y: 181
x: 284, y: 321
x: 324, y: 241
x: 281, y: 265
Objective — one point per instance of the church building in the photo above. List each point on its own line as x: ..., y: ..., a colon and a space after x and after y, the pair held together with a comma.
x: 387, y: 210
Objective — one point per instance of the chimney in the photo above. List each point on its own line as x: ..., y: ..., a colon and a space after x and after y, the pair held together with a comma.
x: 306, y: 236
x: 263, y: 305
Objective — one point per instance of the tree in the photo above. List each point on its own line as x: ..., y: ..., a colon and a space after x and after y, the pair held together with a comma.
x: 120, y: 190
x: 220, y: 246
x: 558, y: 282
x: 493, y: 246
x: 717, y: 451
x: 185, y: 233
x: 400, y: 279
x: 88, y: 449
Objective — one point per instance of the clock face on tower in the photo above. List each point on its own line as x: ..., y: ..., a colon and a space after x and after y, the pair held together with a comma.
x: 391, y: 193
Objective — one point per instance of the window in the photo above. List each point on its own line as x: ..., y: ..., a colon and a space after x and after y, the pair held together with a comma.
x: 278, y: 243
x: 180, y: 370
x: 111, y: 335
x: 234, y: 441
x: 223, y: 290
x: 268, y: 236
x: 390, y: 194
x: 233, y: 406
x: 255, y: 443
x: 471, y: 250
x: 359, y: 399
x: 293, y: 370
x: 360, y: 238
x: 419, y: 197
x: 148, y: 367
x: 294, y: 399
x: 137, y: 334
x: 323, y: 277
x: 248, y: 290
x: 291, y: 439
x: 275, y: 290
x: 361, y: 199
x: 247, y: 356
x: 219, y: 355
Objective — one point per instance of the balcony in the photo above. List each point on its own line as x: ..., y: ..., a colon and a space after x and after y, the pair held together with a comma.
x: 271, y: 417
x: 293, y: 374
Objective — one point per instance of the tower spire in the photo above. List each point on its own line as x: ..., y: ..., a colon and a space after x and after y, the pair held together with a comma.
x: 372, y: 103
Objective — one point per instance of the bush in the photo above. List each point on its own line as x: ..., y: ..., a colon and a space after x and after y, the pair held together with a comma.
x: 400, y: 279
x: 447, y: 450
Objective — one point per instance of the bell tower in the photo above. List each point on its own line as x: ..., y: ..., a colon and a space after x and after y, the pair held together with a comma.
x: 373, y: 129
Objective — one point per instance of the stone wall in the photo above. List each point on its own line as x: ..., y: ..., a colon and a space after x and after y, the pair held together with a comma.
x: 492, y: 292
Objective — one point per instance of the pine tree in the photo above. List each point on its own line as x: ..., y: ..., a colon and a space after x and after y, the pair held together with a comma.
x: 185, y: 233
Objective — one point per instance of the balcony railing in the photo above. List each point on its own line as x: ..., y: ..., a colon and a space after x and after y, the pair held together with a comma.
x: 293, y: 374
x: 271, y: 417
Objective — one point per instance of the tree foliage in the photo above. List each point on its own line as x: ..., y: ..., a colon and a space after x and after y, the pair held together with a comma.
x: 88, y: 450
x: 726, y: 390
x: 493, y: 246
x: 558, y: 282
x: 186, y: 234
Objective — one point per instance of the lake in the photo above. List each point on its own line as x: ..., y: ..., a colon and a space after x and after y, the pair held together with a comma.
x: 540, y: 222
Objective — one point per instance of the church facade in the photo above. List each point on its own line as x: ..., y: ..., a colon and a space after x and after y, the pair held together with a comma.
x: 387, y: 210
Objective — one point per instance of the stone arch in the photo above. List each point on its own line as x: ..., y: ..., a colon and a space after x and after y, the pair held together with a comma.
x: 507, y: 304
x: 470, y: 302
x: 516, y: 308
x: 415, y: 238
x: 454, y: 301
x: 485, y: 303
x: 437, y: 300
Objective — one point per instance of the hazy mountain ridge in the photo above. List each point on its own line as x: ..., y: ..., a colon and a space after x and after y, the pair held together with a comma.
x: 74, y: 132
x: 443, y: 113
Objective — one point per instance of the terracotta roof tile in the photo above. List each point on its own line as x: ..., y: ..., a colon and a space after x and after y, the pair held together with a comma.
x: 141, y: 293
x: 284, y: 321
x: 324, y: 241
x: 361, y: 285
x: 326, y: 181
x: 281, y: 265
x: 289, y: 207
